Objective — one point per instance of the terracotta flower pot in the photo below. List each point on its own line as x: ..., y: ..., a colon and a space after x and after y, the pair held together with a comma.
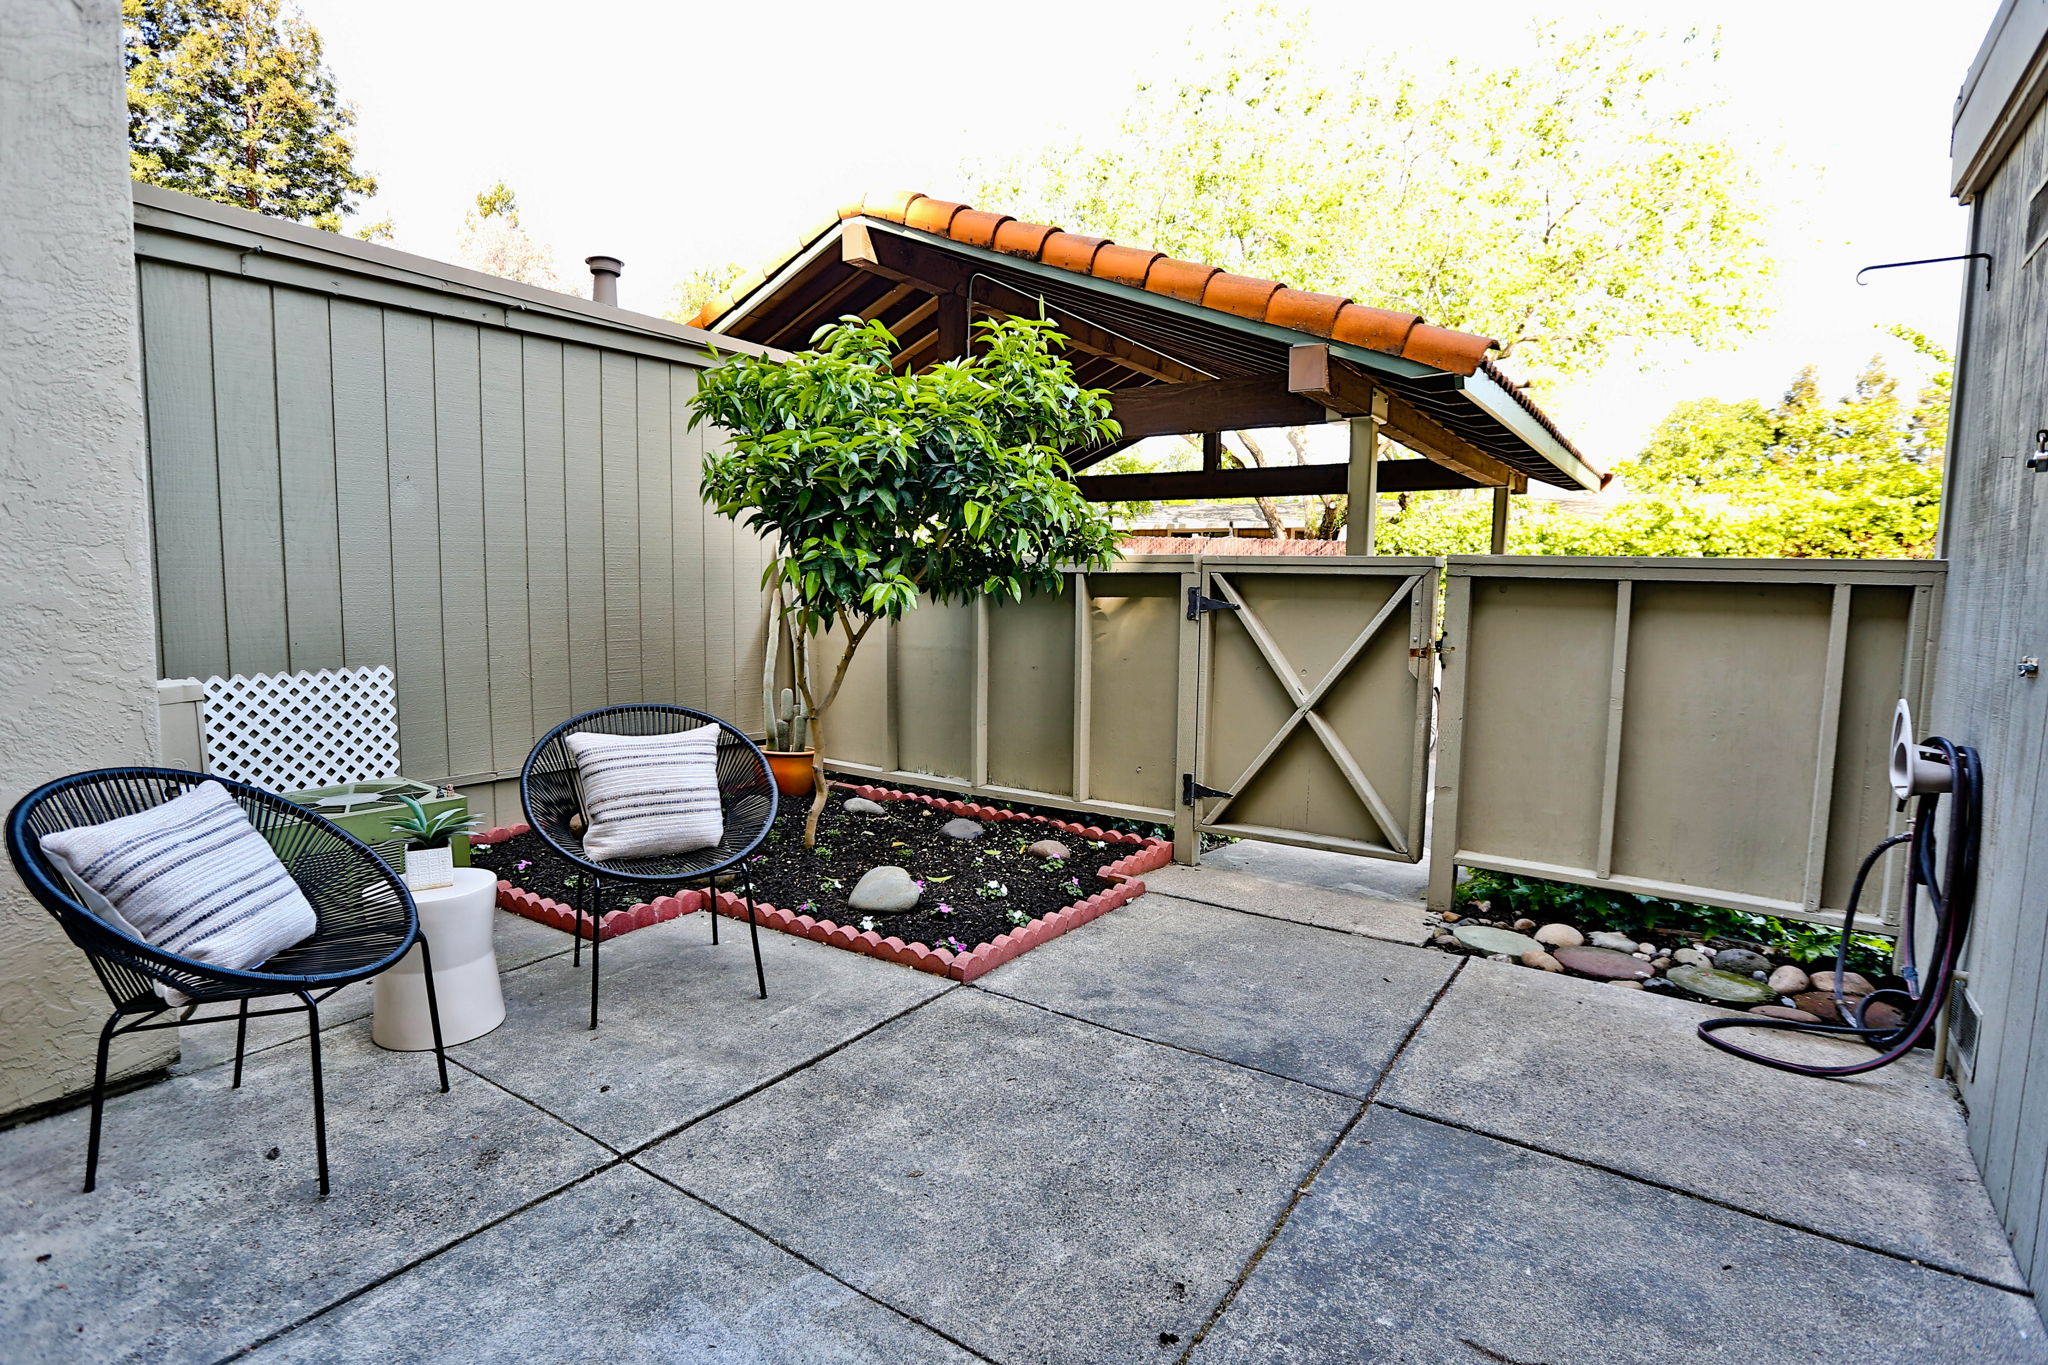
x: 793, y: 772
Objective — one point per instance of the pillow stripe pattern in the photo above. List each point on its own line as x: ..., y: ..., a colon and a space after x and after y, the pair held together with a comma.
x: 646, y: 795
x: 192, y: 877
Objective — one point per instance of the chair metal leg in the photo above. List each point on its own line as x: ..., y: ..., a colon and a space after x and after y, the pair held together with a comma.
x: 596, y: 915
x: 754, y: 932
x: 99, y: 1102
x: 433, y: 1009
x: 319, y: 1090
x: 711, y: 892
x: 241, y: 1041
x: 576, y: 934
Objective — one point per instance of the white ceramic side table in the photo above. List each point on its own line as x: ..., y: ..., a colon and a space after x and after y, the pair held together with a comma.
x: 457, y: 922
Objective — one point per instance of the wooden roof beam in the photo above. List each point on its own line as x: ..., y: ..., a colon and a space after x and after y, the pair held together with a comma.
x: 1395, y: 476
x: 1212, y: 405
x: 1313, y: 373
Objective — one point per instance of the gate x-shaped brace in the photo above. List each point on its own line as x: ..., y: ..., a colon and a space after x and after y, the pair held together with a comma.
x: 1305, y: 700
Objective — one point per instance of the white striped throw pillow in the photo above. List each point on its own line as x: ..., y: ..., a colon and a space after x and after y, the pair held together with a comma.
x: 192, y: 877
x: 646, y: 795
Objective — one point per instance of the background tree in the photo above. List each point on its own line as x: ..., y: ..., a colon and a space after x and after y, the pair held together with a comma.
x: 1575, y: 205
x: 1859, y: 477
x: 876, y: 487
x: 229, y: 100
x: 493, y: 241
x: 699, y: 287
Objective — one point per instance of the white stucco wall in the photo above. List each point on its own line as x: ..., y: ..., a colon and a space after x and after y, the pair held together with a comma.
x: 77, y: 638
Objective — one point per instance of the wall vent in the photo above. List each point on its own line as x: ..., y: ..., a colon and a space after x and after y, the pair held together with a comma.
x: 1963, y: 1019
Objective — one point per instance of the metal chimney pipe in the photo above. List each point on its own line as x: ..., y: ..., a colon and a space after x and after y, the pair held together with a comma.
x: 604, y: 278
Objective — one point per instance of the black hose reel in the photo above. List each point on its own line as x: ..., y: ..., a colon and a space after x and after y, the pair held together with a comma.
x: 1942, y: 869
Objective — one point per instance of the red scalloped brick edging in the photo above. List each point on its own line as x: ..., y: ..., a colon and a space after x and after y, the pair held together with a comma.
x: 1123, y: 876
x: 556, y: 915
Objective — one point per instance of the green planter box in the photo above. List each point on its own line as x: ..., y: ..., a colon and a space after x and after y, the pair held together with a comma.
x: 366, y: 810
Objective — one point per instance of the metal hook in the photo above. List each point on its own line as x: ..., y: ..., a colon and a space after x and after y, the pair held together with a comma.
x: 1983, y: 256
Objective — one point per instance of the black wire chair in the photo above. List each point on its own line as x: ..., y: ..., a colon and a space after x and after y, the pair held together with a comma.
x: 548, y: 792
x: 365, y: 917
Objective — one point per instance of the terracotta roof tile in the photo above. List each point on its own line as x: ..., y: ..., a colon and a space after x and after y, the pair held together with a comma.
x: 1183, y: 280
x: 1124, y: 264
x: 1242, y: 295
x: 1458, y: 352
x: 976, y: 227
x: 1022, y: 239
x: 1300, y: 311
x: 1072, y: 251
x: 932, y: 215
x: 1377, y: 329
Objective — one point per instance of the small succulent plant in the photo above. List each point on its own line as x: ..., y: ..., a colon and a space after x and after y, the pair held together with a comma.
x: 421, y: 830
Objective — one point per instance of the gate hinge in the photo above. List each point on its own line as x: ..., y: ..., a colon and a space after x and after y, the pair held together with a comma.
x: 1197, y: 604
x: 1192, y: 791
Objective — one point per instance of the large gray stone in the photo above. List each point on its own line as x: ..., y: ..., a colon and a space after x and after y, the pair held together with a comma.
x: 1304, y: 1003
x: 1716, y: 984
x: 1300, y: 902
x: 1037, y: 1188
x: 674, y: 1282
x: 1422, y: 1243
x: 960, y: 827
x: 860, y: 805
x: 1668, y: 1107
x: 195, y: 1245
x: 886, y: 890
x: 1485, y: 939
x: 682, y: 1029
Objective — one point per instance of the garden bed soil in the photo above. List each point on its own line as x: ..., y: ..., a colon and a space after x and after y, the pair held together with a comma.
x: 984, y: 900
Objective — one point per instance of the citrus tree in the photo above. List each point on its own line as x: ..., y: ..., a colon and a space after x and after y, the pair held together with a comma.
x: 877, y: 488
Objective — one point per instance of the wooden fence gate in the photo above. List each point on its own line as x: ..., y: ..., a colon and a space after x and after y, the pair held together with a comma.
x: 1313, y: 708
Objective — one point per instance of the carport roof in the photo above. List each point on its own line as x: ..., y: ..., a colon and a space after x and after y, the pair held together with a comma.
x: 1139, y: 319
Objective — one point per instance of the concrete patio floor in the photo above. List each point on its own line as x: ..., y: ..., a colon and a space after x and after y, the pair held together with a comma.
x: 1240, y: 1123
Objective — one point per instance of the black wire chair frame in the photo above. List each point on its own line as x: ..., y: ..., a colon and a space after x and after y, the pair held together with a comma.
x: 550, y: 797
x: 366, y: 922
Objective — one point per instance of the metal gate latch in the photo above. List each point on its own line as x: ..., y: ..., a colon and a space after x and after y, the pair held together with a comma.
x: 1197, y: 604
x: 1192, y: 791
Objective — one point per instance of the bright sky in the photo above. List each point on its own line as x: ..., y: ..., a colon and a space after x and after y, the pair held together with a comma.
x: 677, y: 135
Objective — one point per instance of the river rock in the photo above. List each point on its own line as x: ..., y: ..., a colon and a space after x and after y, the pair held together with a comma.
x: 961, y: 828
x: 1690, y: 956
x: 1741, y: 961
x: 1620, y: 943
x: 884, y: 891
x: 860, y: 805
x: 1852, y: 983
x: 1719, y: 985
x: 1628, y: 985
x: 1049, y: 848
x: 1820, y: 1004
x: 1485, y: 940
x: 1523, y: 926
x: 1542, y: 961
x: 1785, y: 1012
x: 1790, y: 981
x: 1877, y: 1014
x: 1607, y: 964
x: 1559, y: 936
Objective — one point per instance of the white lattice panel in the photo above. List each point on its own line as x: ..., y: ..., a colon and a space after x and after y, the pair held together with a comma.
x: 291, y: 731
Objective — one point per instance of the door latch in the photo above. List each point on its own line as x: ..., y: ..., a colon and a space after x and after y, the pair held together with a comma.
x: 1192, y: 791
x: 1438, y: 647
x: 1197, y: 604
x: 2037, y: 460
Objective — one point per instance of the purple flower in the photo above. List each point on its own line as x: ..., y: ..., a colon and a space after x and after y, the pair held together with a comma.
x: 919, y: 883
x: 944, y: 908
x: 522, y: 865
x: 956, y: 945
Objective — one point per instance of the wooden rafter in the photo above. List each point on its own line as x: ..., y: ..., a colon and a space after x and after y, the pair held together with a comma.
x: 1284, y: 481
x: 1314, y: 373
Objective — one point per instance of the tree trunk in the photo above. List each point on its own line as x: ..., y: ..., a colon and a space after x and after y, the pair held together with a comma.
x: 1276, y: 525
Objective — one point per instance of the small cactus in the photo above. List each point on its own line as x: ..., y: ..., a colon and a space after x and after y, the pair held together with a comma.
x: 789, y: 726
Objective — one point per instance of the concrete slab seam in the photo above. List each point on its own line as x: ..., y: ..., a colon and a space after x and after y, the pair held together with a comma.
x: 1695, y: 1195
x: 1301, y: 1190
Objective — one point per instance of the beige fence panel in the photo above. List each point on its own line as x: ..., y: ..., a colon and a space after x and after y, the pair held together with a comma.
x: 1315, y: 702
x: 1071, y: 699
x: 1707, y: 730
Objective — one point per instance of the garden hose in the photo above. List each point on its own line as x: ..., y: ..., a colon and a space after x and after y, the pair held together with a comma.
x: 1946, y: 870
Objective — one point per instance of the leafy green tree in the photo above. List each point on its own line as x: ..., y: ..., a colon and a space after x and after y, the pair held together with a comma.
x: 494, y: 242
x: 229, y: 100
x: 1859, y: 477
x: 1574, y: 205
x: 876, y: 487
x: 699, y: 287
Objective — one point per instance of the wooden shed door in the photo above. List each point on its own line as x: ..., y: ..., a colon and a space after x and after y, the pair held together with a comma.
x: 1314, y: 702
